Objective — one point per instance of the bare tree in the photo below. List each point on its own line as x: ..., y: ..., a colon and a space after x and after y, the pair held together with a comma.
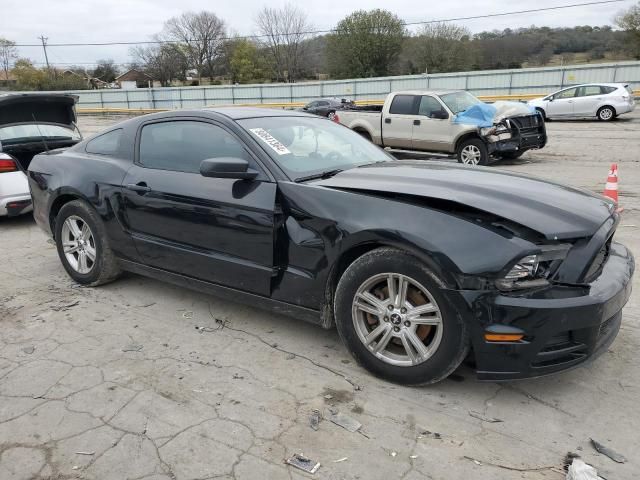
x: 202, y: 36
x: 284, y: 31
x: 8, y: 53
x: 164, y: 62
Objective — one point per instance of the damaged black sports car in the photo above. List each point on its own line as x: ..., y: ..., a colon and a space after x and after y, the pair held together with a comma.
x: 418, y: 264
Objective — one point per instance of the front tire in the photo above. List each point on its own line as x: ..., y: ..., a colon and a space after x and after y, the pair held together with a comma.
x: 473, y: 151
x: 606, y: 113
x: 511, y: 155
x: 394, y: 319
x: 82, y: 245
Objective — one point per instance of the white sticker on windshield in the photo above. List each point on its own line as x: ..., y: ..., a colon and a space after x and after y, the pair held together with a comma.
x: 270, y: 140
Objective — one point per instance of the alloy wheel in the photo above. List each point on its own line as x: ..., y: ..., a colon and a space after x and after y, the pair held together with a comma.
x: 397, y: 319
x: 78, y: 244
x: 606, y: 114
x: 470, y: 155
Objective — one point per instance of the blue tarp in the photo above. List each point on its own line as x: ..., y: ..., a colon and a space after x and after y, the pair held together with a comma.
x: 485, y: 114
x: 480, y: 115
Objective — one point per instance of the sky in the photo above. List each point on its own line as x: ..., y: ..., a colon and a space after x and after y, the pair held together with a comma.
x: 136, y: 20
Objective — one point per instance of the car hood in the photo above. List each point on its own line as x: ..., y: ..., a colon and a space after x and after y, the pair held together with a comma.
x: 556, y: 211
x: 56, y: 109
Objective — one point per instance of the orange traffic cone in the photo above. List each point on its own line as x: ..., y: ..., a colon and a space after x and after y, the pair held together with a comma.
x: 611, y: 188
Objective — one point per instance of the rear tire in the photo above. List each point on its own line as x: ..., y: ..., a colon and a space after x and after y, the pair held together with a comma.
x: 606, y: 113
x: 83, y: 246
x: 397, y: 342
x: 473, y: 151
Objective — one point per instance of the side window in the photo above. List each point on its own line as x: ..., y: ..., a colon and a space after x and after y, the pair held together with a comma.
x: 106, y: 144
x: 569, y: 93
x: 312, y: 105
x: 589, y: 90
x: 404, y: 105
x: 182, y: 145
x: 429, y: 105
x: 606, y: 90
x: 323, y: 104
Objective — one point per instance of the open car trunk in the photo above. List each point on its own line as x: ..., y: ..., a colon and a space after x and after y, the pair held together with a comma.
x: 32, y: 123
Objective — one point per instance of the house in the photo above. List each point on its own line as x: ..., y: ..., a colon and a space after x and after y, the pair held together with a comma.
x: 134, y: 79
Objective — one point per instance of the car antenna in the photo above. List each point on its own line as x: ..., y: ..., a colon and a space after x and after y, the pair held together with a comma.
x: 46, y: 147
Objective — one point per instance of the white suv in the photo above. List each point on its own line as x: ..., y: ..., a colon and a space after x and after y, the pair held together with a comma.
x: 605, y: 101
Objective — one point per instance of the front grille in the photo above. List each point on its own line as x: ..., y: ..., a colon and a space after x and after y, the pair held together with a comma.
x: 527, y: 121
x: 598, y: 262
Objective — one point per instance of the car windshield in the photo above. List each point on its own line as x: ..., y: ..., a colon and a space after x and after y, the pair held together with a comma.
x: 459, y: 101
x: 30, y: 132
x: 304, y: 146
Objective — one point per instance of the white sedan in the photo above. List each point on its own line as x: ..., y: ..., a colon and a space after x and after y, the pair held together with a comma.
x: 30, y: 124
x: 604, y: 101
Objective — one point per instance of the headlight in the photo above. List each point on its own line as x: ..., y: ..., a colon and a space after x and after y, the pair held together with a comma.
x: 534, y: 270
x: 487, y: 131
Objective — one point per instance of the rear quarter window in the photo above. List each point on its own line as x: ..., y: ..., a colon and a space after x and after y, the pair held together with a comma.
x: 404, y: 105
x: 105, y: 144
x: 606, y: 89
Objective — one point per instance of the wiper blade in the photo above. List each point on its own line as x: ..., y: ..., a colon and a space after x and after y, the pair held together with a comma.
x: 316, y: 176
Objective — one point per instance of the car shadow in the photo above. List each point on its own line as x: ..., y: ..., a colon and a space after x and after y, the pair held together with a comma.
x: 17, y: 221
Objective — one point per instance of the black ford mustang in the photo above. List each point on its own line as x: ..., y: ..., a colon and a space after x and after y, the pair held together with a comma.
x: 416, y: 263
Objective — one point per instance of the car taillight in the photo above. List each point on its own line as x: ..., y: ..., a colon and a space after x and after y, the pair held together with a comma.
x: 336, y: 118
x: 7, y: 163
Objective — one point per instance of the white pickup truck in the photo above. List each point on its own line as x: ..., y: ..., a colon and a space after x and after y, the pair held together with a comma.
x: 429, y: 121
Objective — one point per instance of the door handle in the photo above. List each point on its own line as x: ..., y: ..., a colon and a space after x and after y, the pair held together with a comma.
x: 416, y: 122
x: 570, y: 101
x: 140, y: 187
x: 387, y: 120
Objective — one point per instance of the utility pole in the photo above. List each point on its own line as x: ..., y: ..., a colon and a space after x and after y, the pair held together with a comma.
x: 44, y: 39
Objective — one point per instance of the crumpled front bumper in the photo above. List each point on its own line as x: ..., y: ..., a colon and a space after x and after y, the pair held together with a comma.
x: 564, y: 325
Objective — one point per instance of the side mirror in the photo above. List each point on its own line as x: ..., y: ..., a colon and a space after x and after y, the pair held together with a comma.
x: 439, y: 114
x: 550, y: 98
x: 227, y: 167
x: 306, y: 107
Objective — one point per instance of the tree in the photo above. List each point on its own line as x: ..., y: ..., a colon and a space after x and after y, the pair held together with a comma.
x: 105, y: 70
x: 365, y: 44
x: 244, y: 63
x: 284, y: 31
x: 31, y: 78
x: 162, y: 61
x: 441, y: 47
x: 201, y: 36
x: 629, y: 21
x: 8, y: 53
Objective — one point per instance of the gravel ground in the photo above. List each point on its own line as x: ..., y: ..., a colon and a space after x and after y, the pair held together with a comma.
x: 142, y: 380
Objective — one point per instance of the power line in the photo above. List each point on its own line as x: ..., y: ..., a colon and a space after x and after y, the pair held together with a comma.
x: 317, y: 32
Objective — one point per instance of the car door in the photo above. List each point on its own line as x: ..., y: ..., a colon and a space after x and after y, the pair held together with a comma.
x: 562, y: 103
x: 215, y: 229
x: 313, y: 107
x: 587, y: 100
x: 323, y: 108
x: 432, y: 129
x: 397, y: 123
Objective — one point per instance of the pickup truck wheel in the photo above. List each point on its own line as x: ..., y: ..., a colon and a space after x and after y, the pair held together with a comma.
x: 394, y: 319
x: 363, y: 133
x: 82, y: 245
x: 473, y: 152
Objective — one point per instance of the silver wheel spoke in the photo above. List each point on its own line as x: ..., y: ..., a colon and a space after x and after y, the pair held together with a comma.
x: 91, y: 253
x: 426, y: 320
x: 376, y: 332
x: 73, y: 227
x: 82, y: 262
x: 391, y: 286
x: 70, y: 247
x: 416, y: 343
x: 86, y: 232
x: 382, y: 343
x: 370, y: 304
x: 401, y: 299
